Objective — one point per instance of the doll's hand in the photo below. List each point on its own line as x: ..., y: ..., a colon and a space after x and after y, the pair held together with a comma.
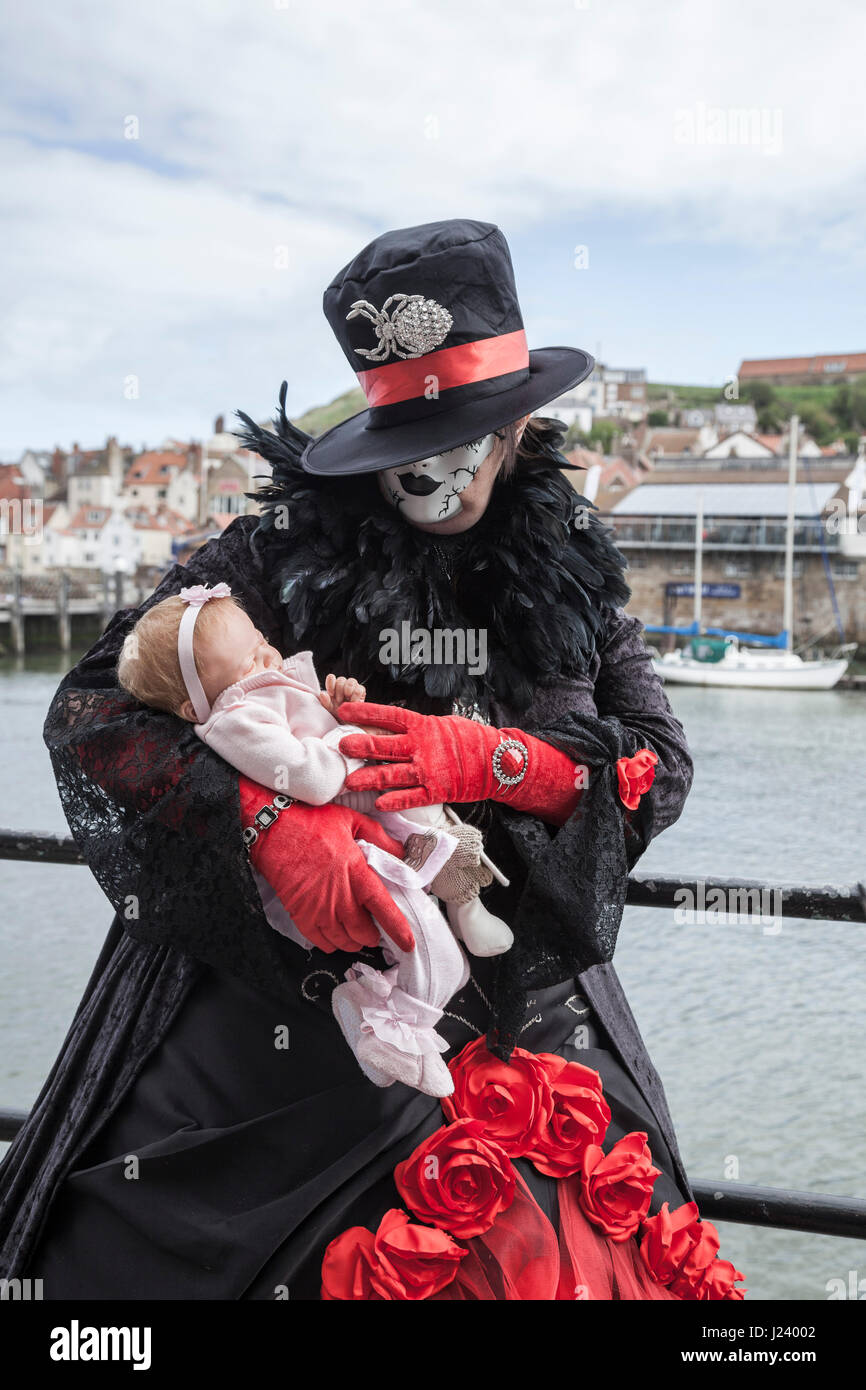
x: 341, y: 690
x: 338, y: 690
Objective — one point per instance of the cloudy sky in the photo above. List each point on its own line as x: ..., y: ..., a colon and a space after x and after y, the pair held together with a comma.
x: 681, y: 185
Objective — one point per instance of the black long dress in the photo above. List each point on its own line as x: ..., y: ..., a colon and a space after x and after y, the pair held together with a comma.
x: 174, y: 1151
x: 250, y: 1160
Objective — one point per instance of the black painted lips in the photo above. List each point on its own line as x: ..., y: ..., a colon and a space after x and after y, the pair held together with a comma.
x: 418, y: 484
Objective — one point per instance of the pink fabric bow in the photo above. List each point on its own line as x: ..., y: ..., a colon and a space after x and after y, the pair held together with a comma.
x: 198, y: 594
x: 394, y: 1016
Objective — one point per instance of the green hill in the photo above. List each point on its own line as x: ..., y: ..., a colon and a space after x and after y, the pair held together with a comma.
x: 827, y: 411
x: 324, y: 417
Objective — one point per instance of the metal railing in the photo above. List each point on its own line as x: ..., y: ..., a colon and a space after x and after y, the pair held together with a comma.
x: 814, y: 1212
x: 720, y: 533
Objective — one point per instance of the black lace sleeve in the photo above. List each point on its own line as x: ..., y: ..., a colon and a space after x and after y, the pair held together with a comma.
x: 154, y: 811
x: 571, y: 905
x: 628, y: 689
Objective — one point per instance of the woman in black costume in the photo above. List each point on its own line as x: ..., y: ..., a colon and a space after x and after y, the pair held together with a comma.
x: 175, y: 1151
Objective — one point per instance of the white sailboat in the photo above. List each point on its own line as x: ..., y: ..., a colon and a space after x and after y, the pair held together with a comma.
x: 711, y: 660
x: 754, y: 667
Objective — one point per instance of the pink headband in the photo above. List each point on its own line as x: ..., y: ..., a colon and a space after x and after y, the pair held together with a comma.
x: 195, y: 597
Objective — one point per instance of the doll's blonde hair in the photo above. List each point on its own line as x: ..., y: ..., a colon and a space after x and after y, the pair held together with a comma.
x: 148, y: 666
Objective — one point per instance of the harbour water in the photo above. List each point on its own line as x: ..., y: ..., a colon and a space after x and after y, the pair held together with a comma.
x: 755, y: 1027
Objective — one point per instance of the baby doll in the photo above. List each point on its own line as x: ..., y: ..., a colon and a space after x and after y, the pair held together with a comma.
x: 268, y: 716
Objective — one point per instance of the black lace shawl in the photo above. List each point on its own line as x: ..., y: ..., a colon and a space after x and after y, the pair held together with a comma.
x: 156, y: 815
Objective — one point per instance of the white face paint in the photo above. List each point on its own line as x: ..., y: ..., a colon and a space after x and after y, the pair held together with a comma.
x: 429, y: 489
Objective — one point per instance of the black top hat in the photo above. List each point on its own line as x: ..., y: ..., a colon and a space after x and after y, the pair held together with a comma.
x: 428, y: 318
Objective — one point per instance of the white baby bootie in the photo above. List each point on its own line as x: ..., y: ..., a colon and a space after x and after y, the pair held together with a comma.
x: 481, y: 932
x: 458, y: 884
x: 392, y: 1033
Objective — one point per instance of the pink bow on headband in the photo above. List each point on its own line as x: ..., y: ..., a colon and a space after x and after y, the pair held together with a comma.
x: 200, y: 593
x: 195, y: 597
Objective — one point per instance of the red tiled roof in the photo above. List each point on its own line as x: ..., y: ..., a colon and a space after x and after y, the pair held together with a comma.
x: 671, y: 440
x: 12, y: 486
x: 80, y: 520
x: 154, y: 469
x: 803, y: 366
x: 585, y: 458
x: 162, y: 519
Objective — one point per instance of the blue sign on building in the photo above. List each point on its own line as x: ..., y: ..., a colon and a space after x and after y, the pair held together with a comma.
x: 707, y: 590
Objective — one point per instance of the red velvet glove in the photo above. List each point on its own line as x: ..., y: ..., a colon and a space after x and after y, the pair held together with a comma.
x: 437, y: 758
x: 310, y: 857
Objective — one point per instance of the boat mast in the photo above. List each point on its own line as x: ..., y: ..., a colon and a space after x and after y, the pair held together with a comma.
x: 699, y: 561
x: 788, y: 616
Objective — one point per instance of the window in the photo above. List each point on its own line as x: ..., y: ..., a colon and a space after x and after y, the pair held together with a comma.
x: 845, y: 569
x: 637, y: 562
x: 737, y: 568
x: 780, y: 569
x: 683, y: 564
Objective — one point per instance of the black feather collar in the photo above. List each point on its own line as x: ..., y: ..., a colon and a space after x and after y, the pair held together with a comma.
x: 538, y: 575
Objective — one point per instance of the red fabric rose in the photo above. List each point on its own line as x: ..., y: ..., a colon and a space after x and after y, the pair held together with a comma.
x: 616, y: 1188
x: 636, y: 776
x: 414, y: 1261
x: 580, y: 1117
x: 401, y: 1262
x: 512, y: 1099
x: 670, y: 1237
x: 718, y: 1282
x: 680, y: 1250
x: 458, y: 1179
x: 348, y: 1266
x: 701, y: 1275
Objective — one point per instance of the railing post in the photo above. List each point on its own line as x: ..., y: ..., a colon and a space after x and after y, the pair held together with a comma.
x: 63, y: 624
x: 16, y: 614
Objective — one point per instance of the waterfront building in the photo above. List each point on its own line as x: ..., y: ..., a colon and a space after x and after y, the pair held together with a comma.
x: 745, y: 504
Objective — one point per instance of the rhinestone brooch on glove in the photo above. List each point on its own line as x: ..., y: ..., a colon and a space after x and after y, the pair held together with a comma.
x: 506, y: 779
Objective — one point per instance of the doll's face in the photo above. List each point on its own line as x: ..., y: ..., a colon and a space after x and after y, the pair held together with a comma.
x: 234, y: 649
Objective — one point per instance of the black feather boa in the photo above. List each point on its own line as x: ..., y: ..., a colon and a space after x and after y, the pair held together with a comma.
x: 538, y: 572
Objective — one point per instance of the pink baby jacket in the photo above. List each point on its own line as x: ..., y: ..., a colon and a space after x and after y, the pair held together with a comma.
x: 272, y: 728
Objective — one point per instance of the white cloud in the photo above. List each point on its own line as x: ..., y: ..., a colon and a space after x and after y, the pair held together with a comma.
x: 317, y: 128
